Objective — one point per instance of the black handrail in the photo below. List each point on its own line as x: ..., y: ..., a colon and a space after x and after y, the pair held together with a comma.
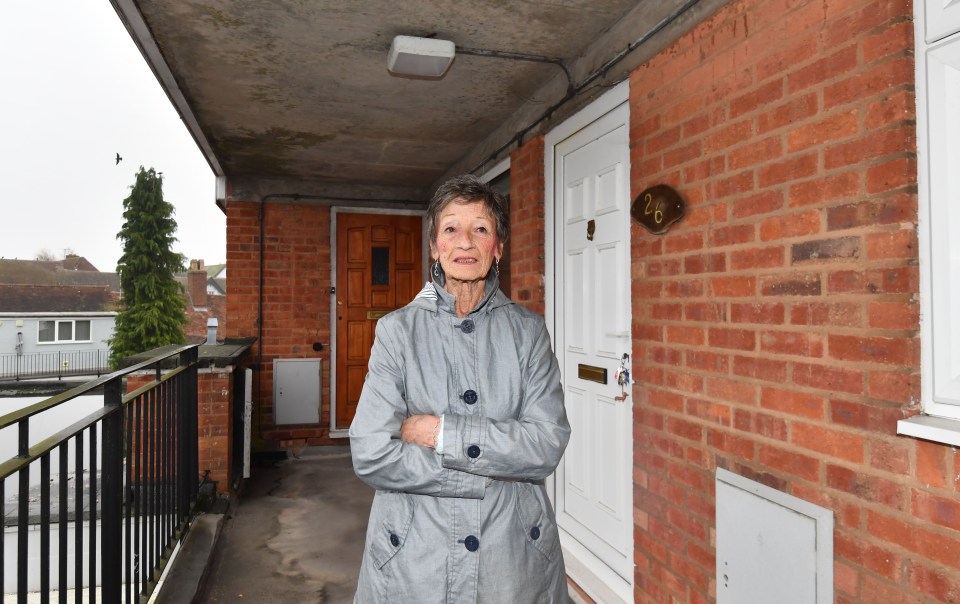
x: 135, y: 458
x: 56, y: 364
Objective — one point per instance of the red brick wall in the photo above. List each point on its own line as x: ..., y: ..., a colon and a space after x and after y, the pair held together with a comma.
x: 527, y: 239
x: 197, y: 286
x: 215, y: 425
x: 196, y: 327
x: 776, y: 326
x: 296, y: 300
x: 243, y: 237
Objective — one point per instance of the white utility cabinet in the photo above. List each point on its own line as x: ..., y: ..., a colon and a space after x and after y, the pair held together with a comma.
x: 296, y: 391
x: 771, y: 546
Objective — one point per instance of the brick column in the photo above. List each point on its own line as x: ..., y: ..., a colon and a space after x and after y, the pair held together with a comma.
x: 215, y: 424
x: 528, y: 239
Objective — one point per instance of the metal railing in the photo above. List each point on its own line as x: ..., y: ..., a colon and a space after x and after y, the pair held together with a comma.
x: 56, y: 364
x: 134, y: 487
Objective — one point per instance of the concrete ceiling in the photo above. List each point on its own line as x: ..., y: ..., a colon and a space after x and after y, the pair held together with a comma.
x: 294, y: 96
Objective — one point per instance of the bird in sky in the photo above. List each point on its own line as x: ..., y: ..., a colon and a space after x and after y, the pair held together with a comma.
x: 118, y: 159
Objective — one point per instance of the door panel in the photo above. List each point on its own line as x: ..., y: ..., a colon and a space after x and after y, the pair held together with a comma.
x: 594, y: 481
x: 378, y: 270
x: 356, y: 292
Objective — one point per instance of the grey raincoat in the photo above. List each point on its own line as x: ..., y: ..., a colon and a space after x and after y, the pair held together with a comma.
x: 472, y: 524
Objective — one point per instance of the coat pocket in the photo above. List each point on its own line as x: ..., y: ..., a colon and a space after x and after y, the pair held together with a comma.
x: 537, y: 520
x: 390, y: 519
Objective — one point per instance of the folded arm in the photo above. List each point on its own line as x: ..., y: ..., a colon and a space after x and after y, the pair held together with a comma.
x: 380, y: 457
x: 526, y: 448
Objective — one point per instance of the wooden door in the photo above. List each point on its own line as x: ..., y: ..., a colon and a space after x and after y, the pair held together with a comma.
x: 594, y: 480
x: 379, y: 268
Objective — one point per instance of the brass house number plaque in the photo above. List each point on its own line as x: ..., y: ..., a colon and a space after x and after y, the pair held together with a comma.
x: 657, y: 208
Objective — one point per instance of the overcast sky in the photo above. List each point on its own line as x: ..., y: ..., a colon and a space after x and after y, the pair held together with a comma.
x: 75, y: 92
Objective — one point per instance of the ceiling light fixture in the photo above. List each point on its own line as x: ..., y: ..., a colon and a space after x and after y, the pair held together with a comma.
x: 420, y: 57
x: 430, y: 58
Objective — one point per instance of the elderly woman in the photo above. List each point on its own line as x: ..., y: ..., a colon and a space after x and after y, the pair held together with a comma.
x: 460, y: 420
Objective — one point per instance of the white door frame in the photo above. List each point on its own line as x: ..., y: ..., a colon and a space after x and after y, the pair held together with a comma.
x: 425, y: 255
x: 594, y: 577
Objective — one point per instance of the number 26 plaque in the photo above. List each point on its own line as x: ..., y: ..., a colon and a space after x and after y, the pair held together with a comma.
x: 657, y: 208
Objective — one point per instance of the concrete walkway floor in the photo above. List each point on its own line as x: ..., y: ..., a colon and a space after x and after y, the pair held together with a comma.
x: 296, y: 535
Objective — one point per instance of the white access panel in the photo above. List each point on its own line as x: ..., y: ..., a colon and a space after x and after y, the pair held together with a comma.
x: 296, y: 391
x: 771, y: 547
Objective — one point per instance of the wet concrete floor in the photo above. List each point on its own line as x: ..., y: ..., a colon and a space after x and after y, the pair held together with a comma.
x: 296, y: 535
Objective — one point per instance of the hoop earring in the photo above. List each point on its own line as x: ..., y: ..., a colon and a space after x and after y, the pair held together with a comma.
x: 436, y: 269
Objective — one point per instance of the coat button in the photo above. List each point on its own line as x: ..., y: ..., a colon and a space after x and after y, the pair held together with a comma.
x: 535, y: 533
x: 394, y: 540
x: 471, y: 543
x: 469, y: 397
x: 473, y: 451
x: 466, y: 326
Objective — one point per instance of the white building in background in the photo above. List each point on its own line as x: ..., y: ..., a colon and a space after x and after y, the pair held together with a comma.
x: 55, y: 315
x: 42, y: 332
x: 63, y: 313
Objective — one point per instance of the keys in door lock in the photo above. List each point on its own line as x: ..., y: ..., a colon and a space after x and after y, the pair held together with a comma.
x: 622, y: 375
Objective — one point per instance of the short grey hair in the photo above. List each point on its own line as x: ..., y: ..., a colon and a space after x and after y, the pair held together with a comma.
x: 468, y: 189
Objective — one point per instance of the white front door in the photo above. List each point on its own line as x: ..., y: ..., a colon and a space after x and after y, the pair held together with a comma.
x: 594, y: 491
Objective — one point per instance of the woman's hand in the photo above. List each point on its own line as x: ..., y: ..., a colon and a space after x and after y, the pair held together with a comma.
x: 420, y: 430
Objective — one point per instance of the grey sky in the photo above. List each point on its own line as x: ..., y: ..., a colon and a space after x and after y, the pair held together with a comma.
x: 74, y: 92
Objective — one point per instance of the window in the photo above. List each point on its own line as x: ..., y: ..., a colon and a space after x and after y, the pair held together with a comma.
x: 380, y: 272
x: 63, y: 331
x: 938, y: 146
x: 82, y: 331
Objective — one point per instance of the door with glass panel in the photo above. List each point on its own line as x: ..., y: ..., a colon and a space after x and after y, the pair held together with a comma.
x: 379, y: 269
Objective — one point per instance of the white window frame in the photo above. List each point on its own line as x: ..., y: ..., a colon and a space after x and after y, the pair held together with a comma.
x: 56, y: 332
x: 937, y: 54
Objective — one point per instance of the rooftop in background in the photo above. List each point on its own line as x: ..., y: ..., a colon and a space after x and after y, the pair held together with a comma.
x: 21, y: 298
x: 214, y: 269
x: 72, y: 270
x: 69, y: 285
x: 215, y: 286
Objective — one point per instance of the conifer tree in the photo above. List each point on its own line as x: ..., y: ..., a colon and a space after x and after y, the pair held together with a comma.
x: 152, y: 307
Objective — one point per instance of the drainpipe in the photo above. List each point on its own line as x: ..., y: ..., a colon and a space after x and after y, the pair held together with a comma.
x: 574, y: 90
